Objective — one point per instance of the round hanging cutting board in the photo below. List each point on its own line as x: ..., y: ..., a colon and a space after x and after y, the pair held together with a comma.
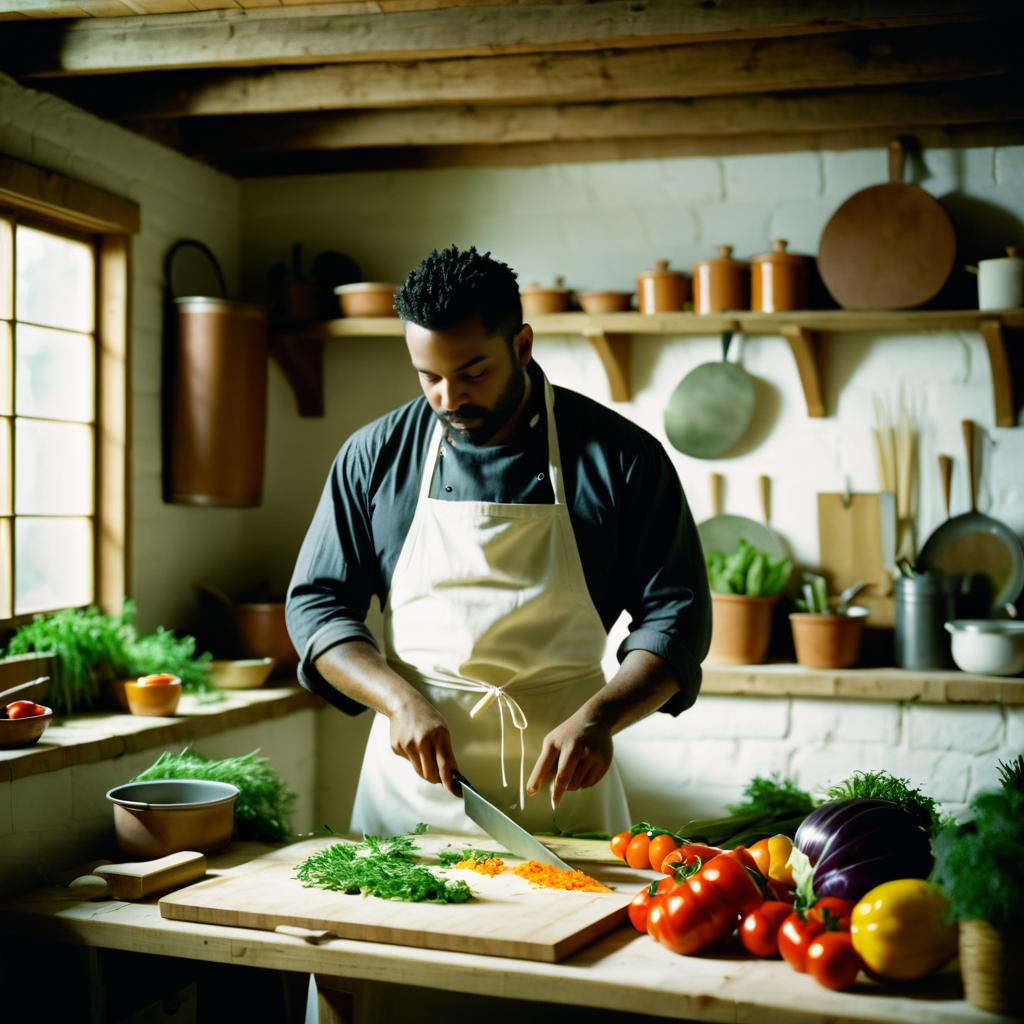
x: 890, y: 246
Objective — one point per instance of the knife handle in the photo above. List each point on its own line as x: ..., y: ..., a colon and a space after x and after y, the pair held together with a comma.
x: 461, y: 779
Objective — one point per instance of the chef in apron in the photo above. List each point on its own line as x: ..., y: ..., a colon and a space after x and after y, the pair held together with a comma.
x: 492, y: 644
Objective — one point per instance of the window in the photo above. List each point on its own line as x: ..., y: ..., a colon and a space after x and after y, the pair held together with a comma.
x: 63, y: 393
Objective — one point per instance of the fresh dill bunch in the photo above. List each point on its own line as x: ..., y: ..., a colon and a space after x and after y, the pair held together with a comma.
x: 446, y: 858
x: 264, y: 801
x: 1011, y: 774
x: 881, y: 785
x: 383, y: 867
x: 773, y: 795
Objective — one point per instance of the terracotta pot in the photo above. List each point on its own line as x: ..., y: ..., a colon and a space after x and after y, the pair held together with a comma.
x: 721, y: 283
x: 153, y: 819
x: 661, y: 290
x: 827, y: 640
x: 779, y: 280
x: 992, y: 967
x: 741, y: 628
x: 605, y: 302
x: 367, y: 298
x: 538, y: 299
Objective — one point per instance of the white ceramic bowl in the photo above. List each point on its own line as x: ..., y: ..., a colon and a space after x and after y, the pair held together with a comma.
x: 990, y: 647
x: 241, y: 674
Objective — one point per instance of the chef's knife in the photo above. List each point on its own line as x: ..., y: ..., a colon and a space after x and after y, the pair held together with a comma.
x: 500, y: 827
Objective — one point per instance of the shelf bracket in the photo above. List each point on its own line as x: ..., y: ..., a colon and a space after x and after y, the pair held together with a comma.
x: 806, y: 350
x: 614, y: 351
x: 1002, y: 379
x: 302, y: 362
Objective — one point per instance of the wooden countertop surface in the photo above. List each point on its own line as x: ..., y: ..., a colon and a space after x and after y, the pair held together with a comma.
x: 624, y: 971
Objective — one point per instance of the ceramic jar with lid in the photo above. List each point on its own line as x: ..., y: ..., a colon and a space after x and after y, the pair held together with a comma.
x: 1001, y: 281
x: 720, y: 283
x: 778, y: 280
x: 661, y: 290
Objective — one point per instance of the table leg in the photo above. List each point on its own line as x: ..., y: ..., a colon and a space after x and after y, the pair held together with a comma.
x: 337, y: 999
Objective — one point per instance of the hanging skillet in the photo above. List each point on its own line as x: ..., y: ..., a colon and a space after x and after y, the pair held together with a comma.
x: 711, y: 407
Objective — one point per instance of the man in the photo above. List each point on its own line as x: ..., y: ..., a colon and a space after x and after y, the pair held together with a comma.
x: 504, y: 525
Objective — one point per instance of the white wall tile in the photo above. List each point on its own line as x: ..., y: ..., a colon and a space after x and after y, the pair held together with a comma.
x: 968, y: 729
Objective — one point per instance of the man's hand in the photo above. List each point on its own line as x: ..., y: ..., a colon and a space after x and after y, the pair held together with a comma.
x: 576, y: 755
x: 420, y: 734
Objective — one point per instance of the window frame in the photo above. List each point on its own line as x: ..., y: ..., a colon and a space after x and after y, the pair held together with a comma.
x: 42, y: 199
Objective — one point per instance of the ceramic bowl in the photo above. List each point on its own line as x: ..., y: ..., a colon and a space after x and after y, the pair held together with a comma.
x: 537, y: 299
x: 155, y: 699
x: 605, y: 302
x: 367, y: 298
x: 242, y: 674
x: 162, y: 816
x: 988, y: 647
x: 23, y: 732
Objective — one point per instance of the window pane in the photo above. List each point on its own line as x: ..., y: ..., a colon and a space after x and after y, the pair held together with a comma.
x: 5, y: 466
x: 5, y: 569
x: 6, y: 396
x: 54, y: 564
x: 54, y: 374
x: 54, y: 280
x: 6, y: 268
x: 53, y: 468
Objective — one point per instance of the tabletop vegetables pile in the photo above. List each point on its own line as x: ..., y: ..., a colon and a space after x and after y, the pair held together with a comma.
x: 833, y: 886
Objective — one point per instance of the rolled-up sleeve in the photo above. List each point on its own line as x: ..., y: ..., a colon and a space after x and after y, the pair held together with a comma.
x: 666, y: 585
x: 336, y: 573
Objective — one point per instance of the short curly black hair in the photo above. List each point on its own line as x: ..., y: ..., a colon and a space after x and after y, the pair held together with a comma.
x: 453, y: 285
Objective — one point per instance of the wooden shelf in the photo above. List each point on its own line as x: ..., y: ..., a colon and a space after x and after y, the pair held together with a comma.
x: 611, y: 336
x: 881, y: 684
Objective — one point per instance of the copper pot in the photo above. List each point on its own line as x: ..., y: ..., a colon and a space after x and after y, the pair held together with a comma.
x: 721, y: 283
x: 661, y: 290
x: 778, y: 280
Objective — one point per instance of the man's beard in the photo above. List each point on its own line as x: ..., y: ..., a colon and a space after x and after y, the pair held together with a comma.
x: 487, y: 422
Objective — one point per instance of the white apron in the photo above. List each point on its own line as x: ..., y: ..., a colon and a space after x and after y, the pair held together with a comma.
x: 489, y: 617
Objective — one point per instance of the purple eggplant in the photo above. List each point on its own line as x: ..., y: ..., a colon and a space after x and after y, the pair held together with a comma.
x: 851, y: 846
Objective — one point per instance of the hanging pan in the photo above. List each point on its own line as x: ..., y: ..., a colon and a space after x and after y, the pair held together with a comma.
x: 711, y: 407
x: 724, y: 532
x: 974, y: 544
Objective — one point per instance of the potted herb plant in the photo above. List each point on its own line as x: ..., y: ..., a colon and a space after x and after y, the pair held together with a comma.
x: 978, y: 865
x: 94, y: 651
x: 825, y: 637
x: 745, y: 587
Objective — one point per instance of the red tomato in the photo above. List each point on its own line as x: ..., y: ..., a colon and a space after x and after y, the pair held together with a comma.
x: 24, y: 709
x: 157, y: 679
x: 660, y: 848
x: 832, y: 961
x: 760, y: 928
x: 642, y: 901
x: 619, y: 844
x: 687, y: 854
x: 636, y: 852
x: 833, y: 913
x: 799, y: 930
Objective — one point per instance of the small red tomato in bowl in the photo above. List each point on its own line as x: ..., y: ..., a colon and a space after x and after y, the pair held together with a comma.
x: 22, y: 722
x: 24, y: 709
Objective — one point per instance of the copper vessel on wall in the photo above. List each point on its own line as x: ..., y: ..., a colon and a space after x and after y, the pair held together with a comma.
x: 721, y: 283
x: 779, y: 280
x: 661, y: 290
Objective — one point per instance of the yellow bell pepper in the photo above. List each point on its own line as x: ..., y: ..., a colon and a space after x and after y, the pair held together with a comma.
x: 772, y: 858
x: 901, y: 931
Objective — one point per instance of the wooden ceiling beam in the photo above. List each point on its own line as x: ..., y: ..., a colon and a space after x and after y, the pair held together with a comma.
x: 962, y: 103
x: 836, y: 61
x: 282, y: 36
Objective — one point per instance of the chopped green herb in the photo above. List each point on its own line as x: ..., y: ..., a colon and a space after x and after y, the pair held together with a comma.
x: 446, y: 858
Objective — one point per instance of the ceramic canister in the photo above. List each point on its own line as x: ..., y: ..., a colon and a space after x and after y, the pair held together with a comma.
x: 721, y: 283
x: 1001, y: 281
x: 661, y: 290
x: 778, y: 280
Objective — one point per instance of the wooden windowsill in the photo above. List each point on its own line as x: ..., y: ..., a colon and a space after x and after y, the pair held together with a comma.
x: 98, y: 736
x: 884, y: 684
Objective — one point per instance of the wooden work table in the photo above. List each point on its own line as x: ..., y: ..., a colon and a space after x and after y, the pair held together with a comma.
x: 624, y: 971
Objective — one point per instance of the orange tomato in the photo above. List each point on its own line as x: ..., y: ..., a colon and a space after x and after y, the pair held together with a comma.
x: 772, y: 857
x: 660, y: 848
x: 157, y: 679
x: 619, y: 844
x: 637, y: 855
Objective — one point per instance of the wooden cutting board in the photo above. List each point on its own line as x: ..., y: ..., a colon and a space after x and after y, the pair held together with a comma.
x: 508, y: 917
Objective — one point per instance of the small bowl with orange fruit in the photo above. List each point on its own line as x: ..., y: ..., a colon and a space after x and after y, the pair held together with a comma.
x: 156, y: 694
x: 22, y: 722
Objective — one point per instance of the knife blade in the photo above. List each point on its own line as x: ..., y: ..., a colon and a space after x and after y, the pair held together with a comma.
x: 500, y: 827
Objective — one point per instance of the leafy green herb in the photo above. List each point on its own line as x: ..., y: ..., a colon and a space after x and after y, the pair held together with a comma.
x: 883, y: 786
x: 746, y: 570
x: 379, y: 867
x: 264, y: 801
x: 92, y: 647
x: 979, y: 865
x: 446, y: 858
x: 773, y: 806
x: 1011, y: 774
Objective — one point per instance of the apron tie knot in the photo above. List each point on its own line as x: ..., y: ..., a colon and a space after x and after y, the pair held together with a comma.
x: 518, y: 718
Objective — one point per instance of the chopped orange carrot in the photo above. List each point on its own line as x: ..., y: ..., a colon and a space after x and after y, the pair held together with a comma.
x: 555, y: 878
x: 491, y: 866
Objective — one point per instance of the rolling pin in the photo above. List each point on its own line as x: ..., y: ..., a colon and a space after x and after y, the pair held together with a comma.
x: 143, y: 878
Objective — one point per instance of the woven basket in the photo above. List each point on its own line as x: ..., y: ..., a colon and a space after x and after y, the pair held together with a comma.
x: 992, y: 966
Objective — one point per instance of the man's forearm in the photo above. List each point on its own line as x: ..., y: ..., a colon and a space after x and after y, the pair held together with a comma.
x: 643, y: 683
x: 358, y: 670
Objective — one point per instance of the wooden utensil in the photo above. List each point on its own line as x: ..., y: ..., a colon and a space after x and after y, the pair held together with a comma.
x: 890, y: 246
x: 140, y: 879
x: 850, y: 531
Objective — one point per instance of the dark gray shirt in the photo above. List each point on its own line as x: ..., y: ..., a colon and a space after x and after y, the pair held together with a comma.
x: 637, y: 540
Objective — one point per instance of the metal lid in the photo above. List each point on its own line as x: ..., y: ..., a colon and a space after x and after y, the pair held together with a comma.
x: 1002, y: 627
